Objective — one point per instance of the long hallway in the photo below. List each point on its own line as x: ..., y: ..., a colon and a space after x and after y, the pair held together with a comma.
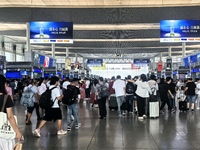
x: 170, y: 131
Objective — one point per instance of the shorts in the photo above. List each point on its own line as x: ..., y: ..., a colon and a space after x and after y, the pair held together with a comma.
x: 191, y: 98
x: 52, y: 114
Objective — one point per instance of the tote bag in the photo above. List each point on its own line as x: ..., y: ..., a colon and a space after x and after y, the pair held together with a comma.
x: 6, y: 130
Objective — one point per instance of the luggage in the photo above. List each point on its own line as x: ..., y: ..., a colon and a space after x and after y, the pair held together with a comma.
x: 183, y: 106
x: 113, y: 102
x: 153, y: 109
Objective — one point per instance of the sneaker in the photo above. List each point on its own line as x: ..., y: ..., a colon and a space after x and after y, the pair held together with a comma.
x: 131, y: 112
x: 198, y: 108
x: 144, y: 116
x: 68, y: 128
x: 120, y: 115
x: 192, y: 110
x: 61, y: 132
x: 37, y: 133
x: 140, y: 118
x: 162, y: 112
x: 124, y: 114
x: 78, y: 126
x: 173, y: 111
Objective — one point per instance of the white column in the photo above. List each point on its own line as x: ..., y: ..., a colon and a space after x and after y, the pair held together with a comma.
x: 170, y: 51
x: 53, y: 50
x: 161, y: 57
x: 153, y: 64
x: 183, y: 49
x: 76, y: 57
x: 67, y: 52
x: 28, y: 45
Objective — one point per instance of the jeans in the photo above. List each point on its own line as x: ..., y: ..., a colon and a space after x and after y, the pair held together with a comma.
x: 171, y: 100
x: 141, y: 105
x: 72, y: 109
x: 102, y: 106
x: 197, y: 100
x: 191, y: 98
x: 129, y: 101
x: 120, y: 100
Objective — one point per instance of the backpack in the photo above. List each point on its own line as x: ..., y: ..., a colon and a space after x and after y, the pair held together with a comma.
x: 46, y: 101
x: 104, y: 91
x: 27, y: 98
x: 130, y: 88
x: 69, y: 96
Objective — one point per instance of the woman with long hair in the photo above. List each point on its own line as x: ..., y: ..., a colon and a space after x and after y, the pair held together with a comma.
x: 4, y: 143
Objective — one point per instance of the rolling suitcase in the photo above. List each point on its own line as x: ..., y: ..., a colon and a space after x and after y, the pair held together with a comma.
x: 153, y: 109
x: 183, y: 106
x: 113, y: 102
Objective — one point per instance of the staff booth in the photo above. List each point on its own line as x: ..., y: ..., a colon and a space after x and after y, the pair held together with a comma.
x: 19, y: 70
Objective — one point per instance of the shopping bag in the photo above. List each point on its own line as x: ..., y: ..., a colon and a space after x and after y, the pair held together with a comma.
x: 6, y: 130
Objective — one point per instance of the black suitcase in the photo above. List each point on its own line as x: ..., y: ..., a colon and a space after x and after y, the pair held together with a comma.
x: 113, y: 102
x: 183, y: 106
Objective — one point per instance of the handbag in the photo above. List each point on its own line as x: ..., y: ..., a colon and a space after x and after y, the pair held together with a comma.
x: 6, y: 130
x: 18, y: 146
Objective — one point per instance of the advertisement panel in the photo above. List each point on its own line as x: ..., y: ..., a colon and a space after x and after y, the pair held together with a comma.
x: 51, y: 32
x: 141, y: 61
x: 180, y: 31
x: 169, y: 64
x: 94, y: 62
x: 67, y: 64
x: 160, y: 66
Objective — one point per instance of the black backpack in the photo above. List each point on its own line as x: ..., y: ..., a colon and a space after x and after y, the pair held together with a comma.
x: 104, y: 91
x: 46, y: 101
x: 69, y: 95
x: 130, y: 88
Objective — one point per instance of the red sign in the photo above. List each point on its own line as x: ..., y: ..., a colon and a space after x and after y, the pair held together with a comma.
x: 134, y: 67
x: 160, y: 66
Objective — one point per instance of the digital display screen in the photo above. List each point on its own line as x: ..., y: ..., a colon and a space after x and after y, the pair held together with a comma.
x: 193, y: 59
x: 13, y: 75
x: 24, y: 73
x: 180, y: 31
x: 51, y: 32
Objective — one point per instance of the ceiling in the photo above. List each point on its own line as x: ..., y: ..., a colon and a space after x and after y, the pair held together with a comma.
x: 96, y: 3
x: 101, y: 32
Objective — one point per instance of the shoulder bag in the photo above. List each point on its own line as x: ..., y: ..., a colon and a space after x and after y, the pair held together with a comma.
x: 6, y: 130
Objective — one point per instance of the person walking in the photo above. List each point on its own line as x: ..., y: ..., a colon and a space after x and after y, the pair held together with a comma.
x: 190, y: 93
x: 120, y: 91
x: 102, y: 95
x: 53, y: 113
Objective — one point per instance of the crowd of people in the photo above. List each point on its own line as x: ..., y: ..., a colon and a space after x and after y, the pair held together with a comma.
x: 134, y: 92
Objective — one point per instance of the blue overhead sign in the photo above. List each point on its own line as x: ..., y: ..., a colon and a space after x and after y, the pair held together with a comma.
x: 141, y: 61
x: 180, y: 31
x: 95, y: 62
x: 51, y: 32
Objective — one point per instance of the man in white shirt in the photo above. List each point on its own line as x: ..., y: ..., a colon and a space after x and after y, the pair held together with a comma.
x: 87, y: 89
x: 120, y: 92
x: 66, y: 83
x: 55, y: 112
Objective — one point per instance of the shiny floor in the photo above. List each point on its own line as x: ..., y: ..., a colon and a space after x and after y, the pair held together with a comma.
x: 170, y: 131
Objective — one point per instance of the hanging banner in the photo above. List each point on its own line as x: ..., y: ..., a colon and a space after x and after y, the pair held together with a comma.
x: 95, y: 62
x: 67, y: 64
x: 160, y: 66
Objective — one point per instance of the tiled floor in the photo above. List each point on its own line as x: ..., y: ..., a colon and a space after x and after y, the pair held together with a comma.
x: 170, y: 131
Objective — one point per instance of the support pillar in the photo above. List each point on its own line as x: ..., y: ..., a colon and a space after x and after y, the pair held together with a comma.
x: 161, y: 57
x: 28, y: 45
x: 76, y: 57
x: 183, y: 49
x: 170, y: 51
x: 53, y: 50
x: 67, y: 52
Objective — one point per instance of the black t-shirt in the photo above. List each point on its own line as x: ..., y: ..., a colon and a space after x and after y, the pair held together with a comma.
x: 191, y: 88
x: 163, y: 89
x: 75, y: 92
x: 9, y: 102
x: 172, y: 87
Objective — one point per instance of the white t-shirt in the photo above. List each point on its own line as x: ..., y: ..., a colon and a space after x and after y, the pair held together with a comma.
x: 119, y: 86
x: 42, y: 88
x: 65, y: 84
x: 143, y: 89
x: 153, y: 84
x: 35, y: 90
x: 48, y: 84
x: 198, y: 88
x: 54, y: 94
x: 87, y: 84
